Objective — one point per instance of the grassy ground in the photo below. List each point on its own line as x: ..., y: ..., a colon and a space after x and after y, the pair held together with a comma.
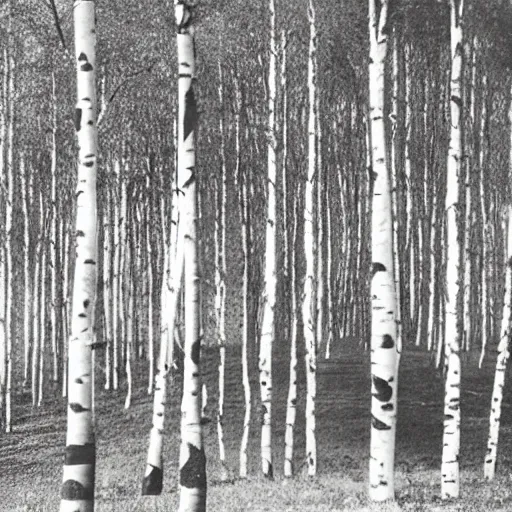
x: 31, y: 457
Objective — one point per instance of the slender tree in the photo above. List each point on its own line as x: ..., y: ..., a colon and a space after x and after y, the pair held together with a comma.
x: 242, y: 174
x: 10, y: 328
x: 451, y: 432
x: 192, y: 456
x: 311, y: 246
x: 220, y: 273
x: 270, y: 279
x: 77, y: 493
x: 384, y: 353
x: 153, y: 478
x: 501, y: 364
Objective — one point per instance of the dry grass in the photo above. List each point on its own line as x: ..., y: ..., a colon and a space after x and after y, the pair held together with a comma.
x: 31, y: 457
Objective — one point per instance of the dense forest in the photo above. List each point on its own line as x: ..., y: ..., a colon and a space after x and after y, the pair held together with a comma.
x: 292, y: 183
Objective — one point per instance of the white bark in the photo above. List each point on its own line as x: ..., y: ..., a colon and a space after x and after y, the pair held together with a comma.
x: 270, y: 278
x: 243, y: 202
x: 309, y: 301
x: 107, y: 289
x: 384, y: 353
x: 65, y: 313
x: 42, y: 315
x: 77, y: 493
x: 451, y: 432
x: 291, y: 404
x: 151, y: 342
x: 501, y: 365
x: 116, y: 284
x: 53, y: 240
x: 486, y: 235
x: 10, y: 329
x: 153, y: 477
x: 27, y: 302
x: 36, y: 328
x: 192, y: 456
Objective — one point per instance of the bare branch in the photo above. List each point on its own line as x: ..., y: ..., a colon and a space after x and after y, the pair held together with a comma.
x: 57, y: 23
x: 147, y: 69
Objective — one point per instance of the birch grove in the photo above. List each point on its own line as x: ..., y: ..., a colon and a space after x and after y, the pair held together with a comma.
x: 346, y: 216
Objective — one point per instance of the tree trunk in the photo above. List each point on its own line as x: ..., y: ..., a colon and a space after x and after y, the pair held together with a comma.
x: 27, y: 302
x: 242, y: 175
x: 53, y: 240
x: 311, y: 247
x: 192, y: 456
x: 77, y: 493
x: 384, y: 354
x: 10, y: 328
x: 451, y: 431
x: 220, y: 275
x: 291, y: 405
x: 501, y: 365
x: 270, y: 279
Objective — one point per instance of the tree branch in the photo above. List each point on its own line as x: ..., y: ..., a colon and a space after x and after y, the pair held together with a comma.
x: 105, y: 104
x: 53, y: 8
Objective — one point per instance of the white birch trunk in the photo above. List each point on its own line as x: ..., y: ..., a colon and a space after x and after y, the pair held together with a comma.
x: 27, y: 302
x: 121, y: 275
x: 220, y: 275
x: 3, y: 256
x: 36, y: 329
x: 319, y: 221
x: 451, y: 432
x: 42, y: 316
x: 153, y: 477
x: 331, y: 301
x: 192, y: 456
x: 129, y: 279
x: 243, y: 203
x: 409, y: 255
x: 501, y: 365
x: 107, y: 289
x: 151, y: 342
x: 384, y: 354
x: 270, y: 279
x: 10, y: 329
x: 53, y: 240
x: 486, y: 234
x: 309, y: 301
x: 77, y: 492
x: 65, y: 311
x: 116, y: 284
x: 291, y: 404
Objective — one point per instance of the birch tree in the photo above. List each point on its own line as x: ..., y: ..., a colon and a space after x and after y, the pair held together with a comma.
x: 9, y: 248
x: 384, y: 350
x: 270, y: 279
x: 153, y: 477
x: 309, y: 302
x: 220, y: 274
x: 77, y: 493
x: 501, y: 365
x: 451, y: 430
x: 192, y: 456
x: 243, y: 177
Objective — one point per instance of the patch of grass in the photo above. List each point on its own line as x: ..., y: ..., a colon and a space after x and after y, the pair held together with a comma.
x: 32, y: 456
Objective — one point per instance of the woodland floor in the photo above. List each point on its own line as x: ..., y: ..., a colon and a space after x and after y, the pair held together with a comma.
x: 31, y: 457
